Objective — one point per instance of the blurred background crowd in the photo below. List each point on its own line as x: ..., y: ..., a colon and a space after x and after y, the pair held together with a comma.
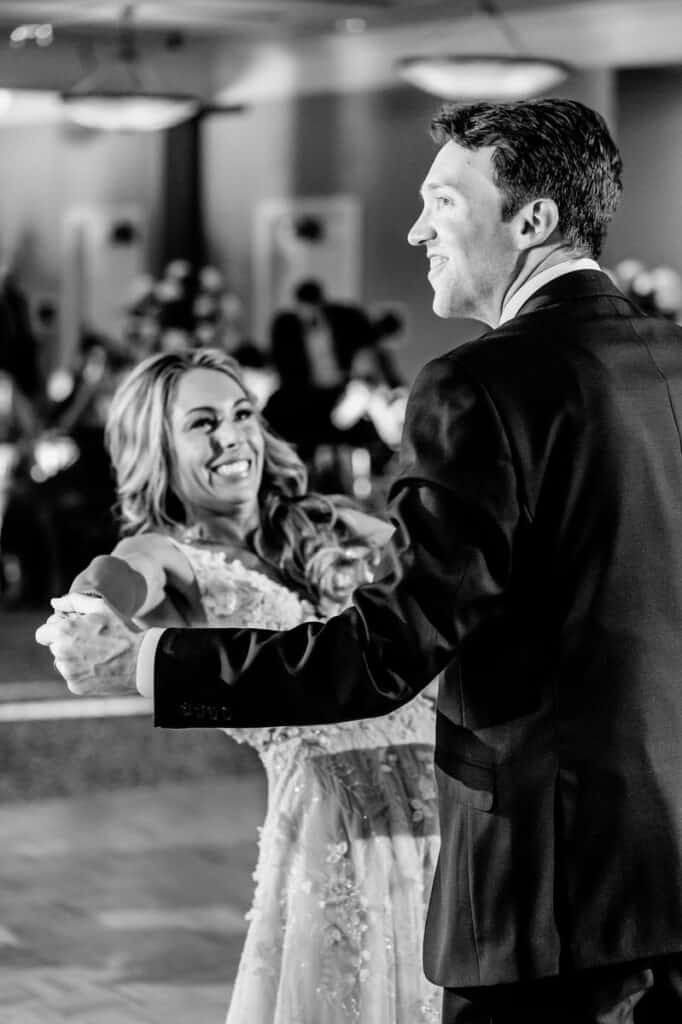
x: 326, y: 378
x: 249, y: 184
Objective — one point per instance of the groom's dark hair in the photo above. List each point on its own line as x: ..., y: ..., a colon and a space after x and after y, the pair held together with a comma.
x: 552, y: 148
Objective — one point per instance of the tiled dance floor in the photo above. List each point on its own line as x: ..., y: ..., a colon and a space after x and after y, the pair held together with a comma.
x: 126, y: 907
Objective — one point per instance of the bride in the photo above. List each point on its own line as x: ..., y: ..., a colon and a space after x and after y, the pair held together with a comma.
x: 222, y: 531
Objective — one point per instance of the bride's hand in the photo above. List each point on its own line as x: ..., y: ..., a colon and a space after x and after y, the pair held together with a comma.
x: 93, y: 649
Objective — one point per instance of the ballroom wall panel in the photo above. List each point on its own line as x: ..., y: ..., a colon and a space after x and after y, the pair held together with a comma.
x: 649, y: 225
x: 46, y: 171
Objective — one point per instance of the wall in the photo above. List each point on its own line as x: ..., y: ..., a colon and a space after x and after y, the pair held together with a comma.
x: 48, y: 169
x: 649, y: 223
x: 372, y: 144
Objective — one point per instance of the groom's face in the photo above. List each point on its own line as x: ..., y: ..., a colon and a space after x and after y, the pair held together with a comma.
x: 470, y: 249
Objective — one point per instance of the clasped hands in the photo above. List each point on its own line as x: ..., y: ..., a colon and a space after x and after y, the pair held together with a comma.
x: 93, y: 649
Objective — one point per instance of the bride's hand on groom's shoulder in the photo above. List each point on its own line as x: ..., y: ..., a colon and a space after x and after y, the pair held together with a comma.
x: 93, y: 649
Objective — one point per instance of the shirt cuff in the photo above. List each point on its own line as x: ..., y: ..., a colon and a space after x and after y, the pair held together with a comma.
x: 144, y: 676
x: 226, y: 673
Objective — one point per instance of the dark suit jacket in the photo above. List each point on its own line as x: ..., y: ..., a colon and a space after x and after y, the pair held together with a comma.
x: 539, y: 516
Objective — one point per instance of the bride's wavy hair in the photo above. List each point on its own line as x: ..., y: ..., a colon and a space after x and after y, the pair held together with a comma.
x: 294, y: 522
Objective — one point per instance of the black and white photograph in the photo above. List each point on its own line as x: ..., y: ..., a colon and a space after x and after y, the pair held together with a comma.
x: 341, y: 512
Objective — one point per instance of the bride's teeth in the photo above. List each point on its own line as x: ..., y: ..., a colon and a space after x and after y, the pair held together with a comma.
x: 230, y: 469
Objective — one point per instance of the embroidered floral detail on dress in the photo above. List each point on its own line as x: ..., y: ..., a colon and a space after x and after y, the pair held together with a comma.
x: 336, y: 570
x: 235, y: 596
x: 347, y: 850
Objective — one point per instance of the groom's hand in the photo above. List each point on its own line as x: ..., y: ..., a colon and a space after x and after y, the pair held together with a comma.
x: 93, y: 649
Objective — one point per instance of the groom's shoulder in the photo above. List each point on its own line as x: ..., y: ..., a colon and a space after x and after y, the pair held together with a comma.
x: 513, y: 343
x: 467, y: 372
x: 513, y: 363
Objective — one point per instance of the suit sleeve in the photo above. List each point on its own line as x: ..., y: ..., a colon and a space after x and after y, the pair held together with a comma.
x: 455, y: 511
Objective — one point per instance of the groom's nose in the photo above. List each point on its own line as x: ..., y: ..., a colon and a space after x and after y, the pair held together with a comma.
x: 421, y: 231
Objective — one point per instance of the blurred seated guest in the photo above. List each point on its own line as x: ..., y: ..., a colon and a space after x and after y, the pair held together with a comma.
x: 375, y: 393
x: 367, y: 413
x: 656, y: 290
x: 220, y: 323
x: 370, y: 411
x: 315, y: 342
x: 79, y: 397
x: 207, y: 306
x: 175, y: 339
x: 18, y: 427
x: 160, y: 313
x: 661, y: 290
x: 185, y: 309
x: 18, y: 419
x: 624, y: 273
x: 46, y: 336
x: 18, y: 344
x: 141, y: 329
x: 312, y: 348
x: 388, y: 332
x: 175, y: 294
x: 60, y: 501
x: 231, y: 330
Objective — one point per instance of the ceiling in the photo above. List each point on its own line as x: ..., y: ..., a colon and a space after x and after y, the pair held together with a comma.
x: 270, y: 17
x: 254, y: 44
x: 204, y: 17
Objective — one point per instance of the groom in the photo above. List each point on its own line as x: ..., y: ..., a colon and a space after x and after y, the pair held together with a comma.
x: 538, y: 519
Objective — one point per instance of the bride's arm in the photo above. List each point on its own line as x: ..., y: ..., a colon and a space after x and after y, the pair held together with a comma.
x: 139, y: 579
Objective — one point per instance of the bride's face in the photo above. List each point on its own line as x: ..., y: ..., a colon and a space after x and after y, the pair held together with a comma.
x: 217, y: 447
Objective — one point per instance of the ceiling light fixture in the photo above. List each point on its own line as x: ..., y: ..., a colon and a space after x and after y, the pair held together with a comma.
x: 480, y: 77
x: 114, y: 97
x: 41, y: 35
x: 484, y: 76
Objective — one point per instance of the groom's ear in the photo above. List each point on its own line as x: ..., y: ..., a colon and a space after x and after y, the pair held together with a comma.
x: 535, y: 223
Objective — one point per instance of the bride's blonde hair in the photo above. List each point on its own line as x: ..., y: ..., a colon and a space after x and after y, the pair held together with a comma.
x: 294, y: 523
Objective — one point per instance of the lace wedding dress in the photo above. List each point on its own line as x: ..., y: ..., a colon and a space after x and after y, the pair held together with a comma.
x: 346, y: 852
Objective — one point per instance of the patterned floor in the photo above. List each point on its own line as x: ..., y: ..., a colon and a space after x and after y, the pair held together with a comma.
x: 126, y: 907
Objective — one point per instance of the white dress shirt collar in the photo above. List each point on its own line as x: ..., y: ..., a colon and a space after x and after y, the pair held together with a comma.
x: 511, y: 307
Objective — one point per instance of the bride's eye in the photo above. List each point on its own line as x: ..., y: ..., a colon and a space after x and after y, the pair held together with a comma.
x: 203, y: 423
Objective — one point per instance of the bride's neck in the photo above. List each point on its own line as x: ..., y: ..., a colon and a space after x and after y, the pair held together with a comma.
x: 229, y: 531
x: 231, y: 542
